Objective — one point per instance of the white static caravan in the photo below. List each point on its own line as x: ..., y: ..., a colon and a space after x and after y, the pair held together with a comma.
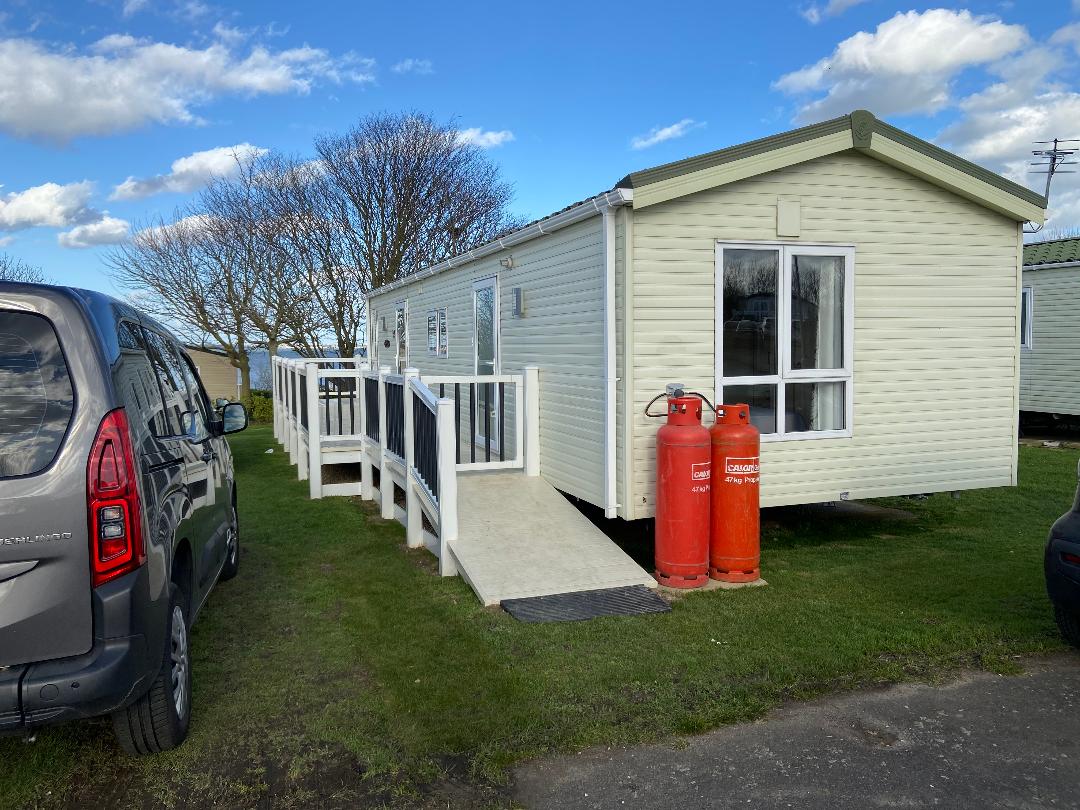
x: 1050, y: 330
x: 857, y: 286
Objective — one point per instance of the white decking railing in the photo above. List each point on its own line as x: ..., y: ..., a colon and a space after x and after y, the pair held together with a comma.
x: 404, y: 436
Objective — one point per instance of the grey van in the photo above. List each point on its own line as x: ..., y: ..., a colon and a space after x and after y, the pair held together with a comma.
x: 117, y: 514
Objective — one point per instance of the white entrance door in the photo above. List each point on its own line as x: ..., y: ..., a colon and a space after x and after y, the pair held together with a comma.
x: 486, y: 326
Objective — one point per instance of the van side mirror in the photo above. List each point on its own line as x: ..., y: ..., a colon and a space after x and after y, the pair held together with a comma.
x: 233, y: 418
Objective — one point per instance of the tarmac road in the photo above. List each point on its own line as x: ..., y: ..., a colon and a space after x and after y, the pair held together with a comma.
x: 982, y: 741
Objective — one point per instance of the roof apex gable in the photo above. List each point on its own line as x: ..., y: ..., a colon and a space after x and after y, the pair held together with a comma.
x: 860, y: 130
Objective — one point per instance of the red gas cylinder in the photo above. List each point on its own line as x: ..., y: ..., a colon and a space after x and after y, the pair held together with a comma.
x: 682, y: 496
x: 735, y: 535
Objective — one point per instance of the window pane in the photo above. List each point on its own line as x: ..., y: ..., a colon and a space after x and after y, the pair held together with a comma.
x: 750, y: 284
x: 762, y: 402
x: 1025, y: 317
x: 432, y: 333
x: 485, y: 330
x: 36, y: 397
x: 815, y: 406
x: 402, y: 338
x: 817, y: 312
x: 443, y: 343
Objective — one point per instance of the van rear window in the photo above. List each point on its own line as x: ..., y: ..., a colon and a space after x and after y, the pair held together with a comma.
x: 36, y: 397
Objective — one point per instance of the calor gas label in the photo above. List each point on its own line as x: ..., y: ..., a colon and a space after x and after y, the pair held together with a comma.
x: 742, y: 470
x: 701, y: 472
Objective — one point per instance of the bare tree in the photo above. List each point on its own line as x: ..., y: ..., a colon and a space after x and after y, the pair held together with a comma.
x: 191, y: 278
x: 1051, y: 234
x: 241, y: 216
x: 12, y: 269
x: 395, y: 194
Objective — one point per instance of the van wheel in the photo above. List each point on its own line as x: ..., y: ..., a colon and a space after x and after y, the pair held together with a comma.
x: 1068, y: 622
x: 158, y: 721
x: 232, y: 547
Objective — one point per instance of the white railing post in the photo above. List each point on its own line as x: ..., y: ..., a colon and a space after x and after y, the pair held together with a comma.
x: 446, y: 441
x: 414, y: 521
x: 314, y: 438
x: 386, y: 482
x: 273, y: 396
x: 303, y: 436
x: 366, y: 493
x: 532, y: 420
x: 294, y: 419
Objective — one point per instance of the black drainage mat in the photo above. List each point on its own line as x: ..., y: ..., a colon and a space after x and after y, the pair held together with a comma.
x: 633, y: 600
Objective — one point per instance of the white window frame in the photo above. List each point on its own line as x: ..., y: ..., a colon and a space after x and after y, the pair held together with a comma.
x: 1027, y: 305
x: 439, y: 350
x: 785, y: 373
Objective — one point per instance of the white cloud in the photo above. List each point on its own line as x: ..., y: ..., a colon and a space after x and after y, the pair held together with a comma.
x: 816, y: 13
x: 6, y: 240
x: 48, y: 205
x: 190, y: 173
x: 660, y: 134
x: 485, y: 139
x: 419, y: 66
x: 132, y: 7
x: 106, y: 231
x: 906, y: 66
x: 120, y: 82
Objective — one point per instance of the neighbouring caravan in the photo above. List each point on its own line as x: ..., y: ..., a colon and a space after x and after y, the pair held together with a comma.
x: 1050, y: 328
x: 857, y: 286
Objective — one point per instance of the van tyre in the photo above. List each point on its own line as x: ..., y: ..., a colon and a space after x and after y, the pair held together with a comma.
x: 158, y: 721
x: 232, y: 546
x: 1068, y: 621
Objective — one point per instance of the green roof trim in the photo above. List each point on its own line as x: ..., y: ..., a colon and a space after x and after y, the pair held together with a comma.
x: 863, y: 125
x: 733, y: 153
x: 956, y: 162
x: 1055, y: 251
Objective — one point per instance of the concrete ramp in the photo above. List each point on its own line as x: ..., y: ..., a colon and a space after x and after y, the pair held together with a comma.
x: 518, y: 537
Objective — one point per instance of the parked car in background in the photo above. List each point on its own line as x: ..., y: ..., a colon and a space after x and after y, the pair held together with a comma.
x: 117, y: 514
x: 1062, y: 564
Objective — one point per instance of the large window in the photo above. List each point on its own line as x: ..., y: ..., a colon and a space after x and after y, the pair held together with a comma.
x: 1027, y: 309
x: 36, y: 396
x: 784, y: 336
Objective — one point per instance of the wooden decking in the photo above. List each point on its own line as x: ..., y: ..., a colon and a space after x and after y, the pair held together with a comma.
x: 518, y: 537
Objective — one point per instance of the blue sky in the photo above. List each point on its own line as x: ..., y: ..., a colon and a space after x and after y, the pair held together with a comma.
x: 99, y: 100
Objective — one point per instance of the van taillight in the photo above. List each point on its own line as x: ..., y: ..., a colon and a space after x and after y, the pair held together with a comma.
x: 112, y: 497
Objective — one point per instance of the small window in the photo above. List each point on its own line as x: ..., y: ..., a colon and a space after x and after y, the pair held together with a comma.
x: 785, y: 336
x: 36, y: 396
x: 1027, y: 300
x: 436, y: 333
x: 401, y: 332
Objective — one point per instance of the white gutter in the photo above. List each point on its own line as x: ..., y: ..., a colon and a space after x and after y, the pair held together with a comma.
x: 583, y: 210
x: 1054, y: 266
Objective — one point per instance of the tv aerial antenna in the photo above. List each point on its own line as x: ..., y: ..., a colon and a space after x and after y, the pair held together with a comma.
x: 1047, y: 160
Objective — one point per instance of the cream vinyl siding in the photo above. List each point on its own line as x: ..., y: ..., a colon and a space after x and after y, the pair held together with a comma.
x: 936, y: 327
x: 1050, y: 370
x: 217, y: 373
x: 561, y: 276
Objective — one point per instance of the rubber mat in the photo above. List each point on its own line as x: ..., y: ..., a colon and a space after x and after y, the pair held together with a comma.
x: 633, y: 600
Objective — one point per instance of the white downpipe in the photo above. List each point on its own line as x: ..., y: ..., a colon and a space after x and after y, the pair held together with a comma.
x: 366, y: 489
x: 610, y: 378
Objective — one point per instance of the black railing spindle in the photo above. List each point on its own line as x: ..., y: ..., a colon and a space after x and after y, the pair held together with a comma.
x: 502, y: 421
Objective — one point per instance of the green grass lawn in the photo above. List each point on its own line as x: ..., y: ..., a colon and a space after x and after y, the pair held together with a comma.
x: 338, y: 670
